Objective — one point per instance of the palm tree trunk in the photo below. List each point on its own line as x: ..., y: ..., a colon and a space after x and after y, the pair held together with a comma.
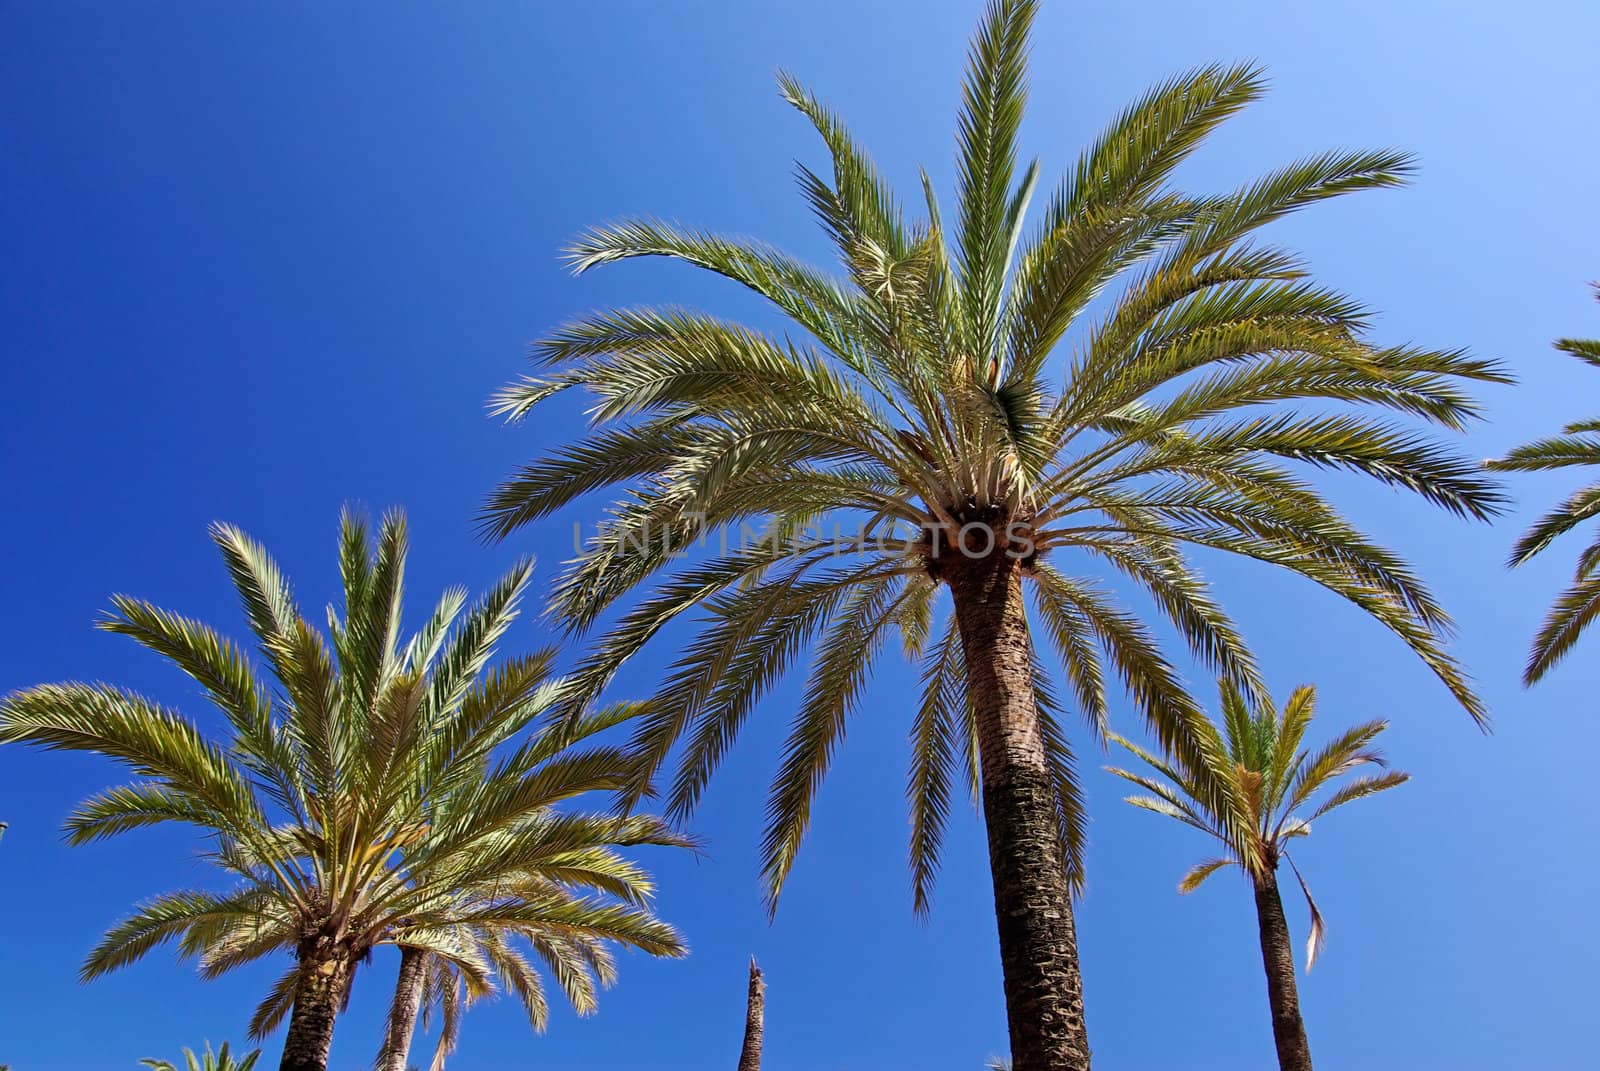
x: 317, y: 1003
x: 402, y: 1012
x: 754, y: 1021
x: 1032, y: 900
x: 1277, y: 955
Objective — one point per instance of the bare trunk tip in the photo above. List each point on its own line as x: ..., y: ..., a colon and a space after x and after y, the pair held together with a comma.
x: 754, y: 1020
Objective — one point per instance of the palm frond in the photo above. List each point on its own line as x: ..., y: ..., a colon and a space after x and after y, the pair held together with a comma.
x: 1200, y: 872
x: 844, y: 659
x: 993, y: 95
x: 1562, y: 627
x: 1319, y: 929
x: 935, y: 745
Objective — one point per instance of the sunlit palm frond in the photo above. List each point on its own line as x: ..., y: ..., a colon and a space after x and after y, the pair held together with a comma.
x: 1200, y: 872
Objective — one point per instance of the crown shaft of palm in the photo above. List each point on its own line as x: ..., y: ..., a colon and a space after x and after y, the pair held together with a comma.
x: 354, y: 802
x: 918, y: 408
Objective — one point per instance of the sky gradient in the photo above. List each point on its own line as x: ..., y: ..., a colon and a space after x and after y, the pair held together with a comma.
x: 262, y: 260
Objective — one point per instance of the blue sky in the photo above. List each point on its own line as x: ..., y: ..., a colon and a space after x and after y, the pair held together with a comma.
x: 264, y: 259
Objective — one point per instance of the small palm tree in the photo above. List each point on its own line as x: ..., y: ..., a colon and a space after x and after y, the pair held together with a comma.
x: 372, y: 795
x: 466, y: 946
x: 1577, y: 445
x: 1252, y: 795
x: 985, y: 413
x: 221, y: 1060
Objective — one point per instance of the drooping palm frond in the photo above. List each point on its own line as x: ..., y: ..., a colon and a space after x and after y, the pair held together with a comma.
x: 1268, y: 781
x: 954, y: 370
x: 1576, y: 446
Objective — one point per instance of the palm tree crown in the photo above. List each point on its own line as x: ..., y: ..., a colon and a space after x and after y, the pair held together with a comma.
x: 999, y: 410
x: 1577, y: 445
x: 221, y: 1060
x: 958, y: 391
x: 375, y: 791
x: 1258, y: 788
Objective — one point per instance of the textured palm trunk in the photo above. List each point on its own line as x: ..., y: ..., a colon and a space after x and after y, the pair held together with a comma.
x: 1032, y: 900
x: 317, y: 1003
x: 1277, y: 955
x: 754, y: 1021
x: 402, y: 1013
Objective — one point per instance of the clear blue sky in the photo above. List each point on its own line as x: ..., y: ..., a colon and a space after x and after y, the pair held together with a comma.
x: 261, y: 259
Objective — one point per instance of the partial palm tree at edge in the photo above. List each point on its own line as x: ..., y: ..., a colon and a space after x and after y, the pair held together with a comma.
x: 1577, y: 445
x: 916, y: 397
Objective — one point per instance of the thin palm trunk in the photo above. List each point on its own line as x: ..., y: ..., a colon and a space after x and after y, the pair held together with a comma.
x: 1277, y: 955
x: 320, y: 997
x: 402, y: 1012
x: 1032, y: 899
x: 754, y: 1021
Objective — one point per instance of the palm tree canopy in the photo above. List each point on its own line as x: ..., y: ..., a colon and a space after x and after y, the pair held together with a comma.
x: 1577, y: 445
x: 957, y: 381
x: 1258, y: 788
x: 377, y: 789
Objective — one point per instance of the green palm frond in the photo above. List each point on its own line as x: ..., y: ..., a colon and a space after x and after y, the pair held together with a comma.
x: 276, y: 1006
x: 1200, y: 872
x: 1347, y: 752
x: 1359, y: 789
x: 1569, y: 616
x: 1564, y: 625
x: 160, y: 921
x: 846, y: 656
x: 937, y: 743
x: 990, y: 210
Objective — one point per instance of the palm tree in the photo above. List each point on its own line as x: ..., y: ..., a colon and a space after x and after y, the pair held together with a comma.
x: 363, y: 799
x: 1577, y: 606
x: 1252, y: 793
x: 594, y: 896
x: 915, y: 404
x: 221, y: 1060
x: 755, y: 1020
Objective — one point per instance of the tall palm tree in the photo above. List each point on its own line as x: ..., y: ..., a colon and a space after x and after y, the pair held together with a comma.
x: 358, y: 799
x: 916, y: 403
x: 1577, y: 445
x: 1254, y: 793
x: 221, y: 1060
